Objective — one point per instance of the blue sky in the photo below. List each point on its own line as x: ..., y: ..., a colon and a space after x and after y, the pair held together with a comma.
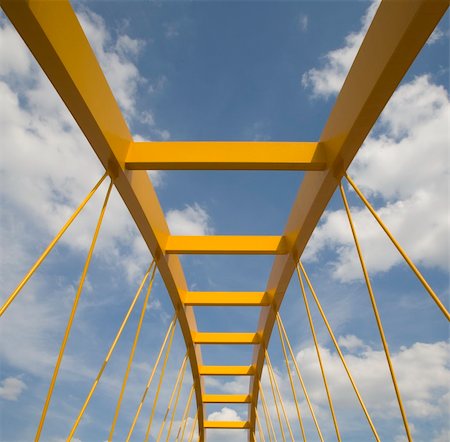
x: 224, y: 71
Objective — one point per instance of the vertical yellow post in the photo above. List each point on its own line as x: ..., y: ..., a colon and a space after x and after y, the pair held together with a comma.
x: 72, y: 314
x: 338, y: 349
x: 375, y: 311
x: 319, y: 357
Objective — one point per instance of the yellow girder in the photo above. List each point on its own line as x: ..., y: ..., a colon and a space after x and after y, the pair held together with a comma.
x: 236, y: 425
x: 226, y: 398
x: 226, y: 338
x: 227, y: 298
x: 226, y: 370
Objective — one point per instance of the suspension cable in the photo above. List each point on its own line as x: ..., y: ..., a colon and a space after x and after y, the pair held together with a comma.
x: 72, y: 314
x: 49, y: 248
x: 338, y: 349
x: 183, y: 422
x: 178, y: 387
x: 291, y: 381
x: 319, y: 357
x: 272, y: 373
x: 400, y: 249
x: 376, y: 313
x: 194, y: 422
x: 300, y: 377
x: 170, y: 331
x: 133, y: 349
x: 158, y: 389
x: 108, y: 356
x: 261, y: 432
x: 283, y: 436
x: 267, y: 414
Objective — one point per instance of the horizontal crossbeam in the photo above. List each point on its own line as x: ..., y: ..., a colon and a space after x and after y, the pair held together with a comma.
x: 226, y: 245
x: 227, y: 298
x: 227, y: 398
x: 226, y: 338
x: 226, y: 155
x: 226, y: 370
x: 235, y: 425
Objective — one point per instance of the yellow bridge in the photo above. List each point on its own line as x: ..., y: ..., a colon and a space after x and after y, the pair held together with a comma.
x: 53, y: 33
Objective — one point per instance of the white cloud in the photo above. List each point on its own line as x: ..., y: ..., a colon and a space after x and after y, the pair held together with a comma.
x: 226, y: 414
x: 412, y: 187
x: 436, y: 36
x: 328, y: 79
x: 303, y: 22
x: 192, y: 220
x: 11, y: 388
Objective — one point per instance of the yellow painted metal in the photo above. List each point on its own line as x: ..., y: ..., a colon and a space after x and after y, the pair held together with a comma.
x: 300, y: 377
x: 226, y: 370
x: 183, y: 422
x: 176, y: 403
x: 175, y: 390
x: 291, y: 382
x: 275, y: 400
x: 55, y: 37
x: 226, y: 398
x: 269, y: 422
x: 107, y: 358
x: 397, y: 33
x: 277, y: 389
x: 400, y: 249
x: 376, y: 313
x: 72, y: 314
x: 258, y: 422
x: 133, y: 349
x: 194, y: 423
x: 319, y: 357
x: 226, y: 338
x: 227, y: 298
x: 230, y: 425
x: 338, y: 349
x: 49, y: 248
x: 226, y: 245
x: 158, y: 389
x: 225, y: 155
x: 170, y: 331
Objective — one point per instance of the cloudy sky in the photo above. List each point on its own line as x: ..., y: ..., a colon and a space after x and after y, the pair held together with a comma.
x: 224, y: 71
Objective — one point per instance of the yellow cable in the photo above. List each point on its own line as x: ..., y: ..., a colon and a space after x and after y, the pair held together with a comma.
x: 283, y: 436
x: 261, y: 432
x: 108, y: 356
x: 272, y: 372
x: 400, y: 249
x: 49, y: 248
x: 338, y: 349
x: 319, y: 357
x: 300, y: 377
x: 158, y: 389
x: 72, y: 314
x: 191, y: 435
x: 150, y: 379
x: 267, y: 414
x: 180, y: 386
x: 291, y: 381
x: 185, y: 416
x: 133, y: 349
x: 376, y: 313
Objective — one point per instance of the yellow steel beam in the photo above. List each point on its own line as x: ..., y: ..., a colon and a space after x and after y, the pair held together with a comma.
x: 231, y: 425
x: 53, y: 34
x: 397, y: 33
x: 226, y: 370
x: 225, y: 338
x: 227, y: 298
x: 226, y: 245
x: 226, y: 398
x: 225, y: 155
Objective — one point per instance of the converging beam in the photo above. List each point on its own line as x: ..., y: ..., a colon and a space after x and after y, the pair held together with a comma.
x: 226, y: 398
x: 225, y: 338
x: 226, y: 370
x: 226, y: 155
x: 230, y: 425
x: 227, y: 298
x: 226, y: 245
